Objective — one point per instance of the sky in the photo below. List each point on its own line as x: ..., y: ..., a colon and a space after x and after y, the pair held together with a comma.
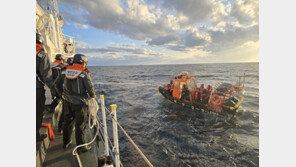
x: 133, y: 32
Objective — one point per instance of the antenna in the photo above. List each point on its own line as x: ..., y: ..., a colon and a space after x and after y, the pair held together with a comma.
x: 244, y: 80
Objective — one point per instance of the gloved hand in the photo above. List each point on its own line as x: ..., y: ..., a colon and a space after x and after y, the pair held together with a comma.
x: 53, y: 93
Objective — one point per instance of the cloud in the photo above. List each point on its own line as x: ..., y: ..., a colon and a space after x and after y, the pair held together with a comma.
x: 220, y: 14
x: 116, y: 50
x: 135, y: 19
x: 81, y: 45
x: 162, y: 40
x: 81, y: 26
x: 246, y: 11
x: 187, y: 29
x: 231, y: 36
x: 192, y: 11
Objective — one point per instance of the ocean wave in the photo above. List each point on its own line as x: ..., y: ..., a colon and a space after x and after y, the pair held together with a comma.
x: 172, y: 135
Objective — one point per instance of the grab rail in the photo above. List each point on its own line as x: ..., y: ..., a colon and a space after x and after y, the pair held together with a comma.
x: 112, y: 114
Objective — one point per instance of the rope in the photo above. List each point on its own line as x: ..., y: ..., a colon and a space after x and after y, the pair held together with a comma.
x: 131, y: 140
x: 74, y: 152
x: 96, y: 122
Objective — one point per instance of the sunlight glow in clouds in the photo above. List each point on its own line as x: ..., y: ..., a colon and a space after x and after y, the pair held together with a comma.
x: 167, y: 31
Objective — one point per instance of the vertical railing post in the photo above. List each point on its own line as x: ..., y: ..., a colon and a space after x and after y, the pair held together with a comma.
x: 104, y: 124
x: 115, y: 135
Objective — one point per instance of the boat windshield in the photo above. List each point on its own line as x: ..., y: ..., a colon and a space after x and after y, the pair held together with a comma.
x: 191, y: 84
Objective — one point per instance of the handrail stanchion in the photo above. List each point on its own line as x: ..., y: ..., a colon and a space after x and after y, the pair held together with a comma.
x: 115, y: 135
x: 104, y: 124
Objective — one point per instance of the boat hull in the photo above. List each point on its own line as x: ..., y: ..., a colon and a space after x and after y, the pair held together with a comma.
x: 200, y: 107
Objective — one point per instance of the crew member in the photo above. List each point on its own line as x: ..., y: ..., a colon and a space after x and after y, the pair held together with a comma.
x: 57, y: 67
x: 60, y: 90
x: 43, y: 77
x: 78, y: 89
x: 70, y: 61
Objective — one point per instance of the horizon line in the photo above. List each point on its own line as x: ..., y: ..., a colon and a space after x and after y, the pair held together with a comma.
x: 168, y: 64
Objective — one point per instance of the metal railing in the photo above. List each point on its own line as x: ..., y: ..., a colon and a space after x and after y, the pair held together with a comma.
x: 101, y: 131
x: 116, y: 124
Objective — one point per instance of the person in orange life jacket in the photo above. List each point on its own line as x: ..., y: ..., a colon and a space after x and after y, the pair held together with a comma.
x: 57, y: 67
x: 65, y: 48
x: 70, y: 61
x: 76, y: 88
x: 61, y: 121
x: 171, y: 81
x: 185, y: 93
x: 43, y: 77
x: 207, y: 93
x: 169, y: 86
x: 198, y: 93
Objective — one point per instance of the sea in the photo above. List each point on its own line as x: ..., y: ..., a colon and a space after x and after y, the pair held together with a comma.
x: 173, y: 136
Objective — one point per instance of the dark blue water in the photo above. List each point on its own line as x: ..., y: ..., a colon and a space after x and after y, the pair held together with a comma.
x: 170, y: 135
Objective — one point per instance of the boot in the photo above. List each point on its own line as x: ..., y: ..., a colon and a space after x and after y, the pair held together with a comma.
x: 40, y: 137
x: 83, y: 149
x: 65, y: 146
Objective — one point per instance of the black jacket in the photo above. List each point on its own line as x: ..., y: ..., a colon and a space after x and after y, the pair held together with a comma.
x: 43, y: 72
x: 57, y: 70
x: 76, y: 91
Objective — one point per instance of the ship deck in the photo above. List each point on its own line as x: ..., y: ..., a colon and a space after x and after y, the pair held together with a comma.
x: 51, y: 153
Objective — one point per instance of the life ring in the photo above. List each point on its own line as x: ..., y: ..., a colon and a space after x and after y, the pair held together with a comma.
x: 216, y: 100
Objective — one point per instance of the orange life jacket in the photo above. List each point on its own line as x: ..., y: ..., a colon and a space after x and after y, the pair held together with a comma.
x: 58, y: 61
x: 38, y: 48
x: 210, y: 88
x: 72, y: 72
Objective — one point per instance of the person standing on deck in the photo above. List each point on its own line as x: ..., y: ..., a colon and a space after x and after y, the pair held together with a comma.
x: 43, y: 77
x: 57, y: 67
x: 70, y: 61
x: 78, y: 89
x: 59, y: 90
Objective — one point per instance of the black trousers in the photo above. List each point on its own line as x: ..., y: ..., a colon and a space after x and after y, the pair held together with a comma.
x: 62, y: 118
x: 54, y: 103
x: 77, y: 114
x: 40, y: 104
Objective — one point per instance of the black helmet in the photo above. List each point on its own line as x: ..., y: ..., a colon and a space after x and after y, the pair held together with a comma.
x: 59, y: 57
x: 39, y: 38
x: 70, y: 61
x: 80, y: 58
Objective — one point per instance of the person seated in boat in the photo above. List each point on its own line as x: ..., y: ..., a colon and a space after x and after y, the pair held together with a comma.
x: 185, y: 93
x: 199, y: 94
x: 207, y: 93
x: 171, y: 86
